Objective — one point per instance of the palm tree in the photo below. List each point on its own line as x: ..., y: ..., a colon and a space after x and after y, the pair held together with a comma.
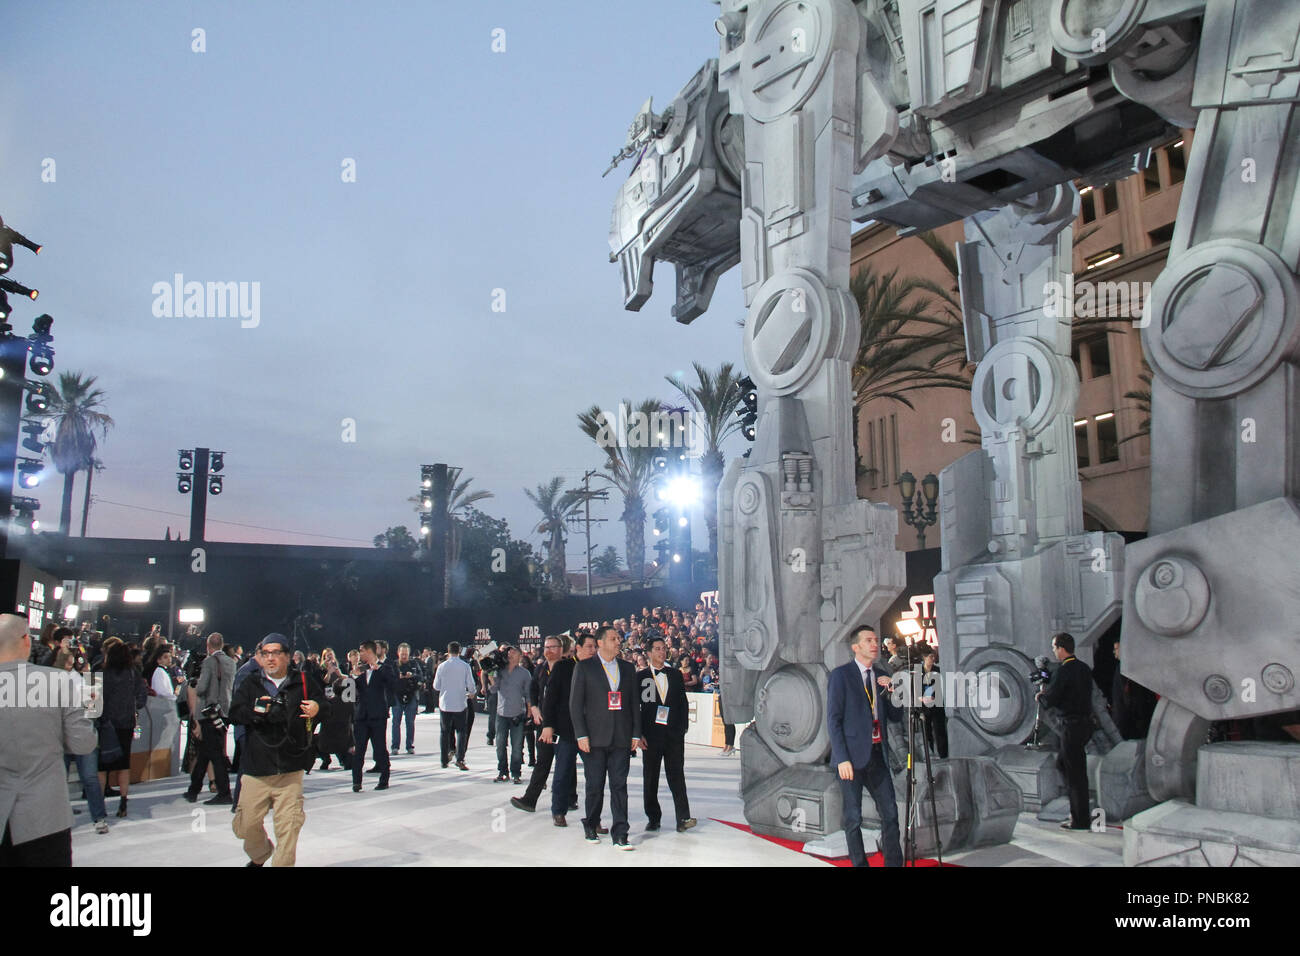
x: 1142, y: 400
x: 627, y: 462
x: 76, y: 411
x: 715, y: 399
x: 555, y: 507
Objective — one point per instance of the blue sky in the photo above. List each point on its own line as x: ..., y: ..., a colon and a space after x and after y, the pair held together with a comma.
x: 475, y: 171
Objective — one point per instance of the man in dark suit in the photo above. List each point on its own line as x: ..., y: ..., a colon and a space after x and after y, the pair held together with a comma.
x: 557, y: 727
x: 664, y: 720
x: 858, y: 709
x: 607, y: 722
x: 370, y: 717
x: 1070, y: 692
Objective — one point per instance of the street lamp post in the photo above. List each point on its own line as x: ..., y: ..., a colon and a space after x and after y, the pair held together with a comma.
x: 913, y: 513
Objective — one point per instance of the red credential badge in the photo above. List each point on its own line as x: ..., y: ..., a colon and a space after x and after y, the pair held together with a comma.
x: 615, y: 700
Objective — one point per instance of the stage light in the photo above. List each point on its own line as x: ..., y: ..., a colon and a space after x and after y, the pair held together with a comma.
x: 214, y: 485
x: 70, y: 612
x: 38, y: 401
x: 677, y: 559
x: 661, y: 521
x: 136, y: 596
x: 424, y: 530
x: 42, y: 362
x: 58, y: 593
x: 190, y: 615
x: 218, y: 460
x: 29, y: 472
x: 94, y: 595
x: 183, y: 484
x: 8, y: 239
x: 682, y: 491
x: 682, y: 522
x: 186, y: 458
x: 748, y: 414
x: 9, y: 285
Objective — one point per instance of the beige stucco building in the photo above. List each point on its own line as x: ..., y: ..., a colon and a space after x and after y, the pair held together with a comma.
x: 1125, y: 228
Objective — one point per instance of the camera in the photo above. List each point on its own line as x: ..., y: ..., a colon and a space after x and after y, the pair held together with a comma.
x: 271, y: 710
x: 1041, y: 673
x: 193, y: 667
x: 212, y: 712
x: 493, y: 661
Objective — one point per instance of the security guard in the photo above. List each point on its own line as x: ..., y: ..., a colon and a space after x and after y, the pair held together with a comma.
x: 1070, y: 692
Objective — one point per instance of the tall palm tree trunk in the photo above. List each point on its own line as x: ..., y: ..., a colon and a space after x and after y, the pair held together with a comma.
x: 711, y: 470
x: 634, y: 518
x: 85, y: 504
x: 65, y: 511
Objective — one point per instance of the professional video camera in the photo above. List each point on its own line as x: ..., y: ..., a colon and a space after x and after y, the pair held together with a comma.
x: 194, y: 667
x: 493, y: 659
x: 1041, y: 673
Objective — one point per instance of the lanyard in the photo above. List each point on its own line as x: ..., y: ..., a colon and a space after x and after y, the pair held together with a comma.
x: 871, y: 697
x: 659, y: 688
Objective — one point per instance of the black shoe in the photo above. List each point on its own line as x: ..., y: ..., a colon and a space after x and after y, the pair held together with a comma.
x: 220, y: 800
x: 573, y: 805
x: 382, y: 786
x: 373, y: 770
x: 623, y: 845
x: 1067, y: 825
x: 444, y: 766
x: 501, y: 778
x: 590, y: 834
x: 325, y: 765
x: 652, y: 826
x: 191, y: 797
x: 684, y: 825
x: 524, y: 805
x: 558, y: 820
x: 121, y: 807
x: 356, y: 788
x: 532, y: 763
x: 518, y: 779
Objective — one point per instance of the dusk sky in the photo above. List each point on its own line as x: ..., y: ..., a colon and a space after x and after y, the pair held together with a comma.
x: 475, y: 171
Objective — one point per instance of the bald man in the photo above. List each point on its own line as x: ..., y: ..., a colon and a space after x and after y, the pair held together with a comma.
x: 41, y: 718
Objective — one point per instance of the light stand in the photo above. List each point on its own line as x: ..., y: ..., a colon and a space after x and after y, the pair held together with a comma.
x: 912, y: 807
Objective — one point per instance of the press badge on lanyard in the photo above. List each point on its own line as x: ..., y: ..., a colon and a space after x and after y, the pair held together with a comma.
x: 875, y: 722
x: 615, y: 700
x: 661, y: 715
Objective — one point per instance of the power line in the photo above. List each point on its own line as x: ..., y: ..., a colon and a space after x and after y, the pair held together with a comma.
x: 237, y: 524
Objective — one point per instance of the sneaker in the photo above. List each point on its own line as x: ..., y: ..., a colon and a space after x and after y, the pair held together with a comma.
x: 1067, y: 825
x: 518, y: 779
x: 220, y: 800
x: 501, y: 778
x: 461, y: 765
x: 519, y: 804
x: 410, y: 751
x: 356, y: 788
x: 623, y: 845
x: 101, y: 826
x: 558, y: 820
x: 728, y: 751
x: 589, y: 834
x: 684, y: 825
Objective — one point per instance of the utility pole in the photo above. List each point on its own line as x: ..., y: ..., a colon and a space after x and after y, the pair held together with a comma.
x: 588, y: 496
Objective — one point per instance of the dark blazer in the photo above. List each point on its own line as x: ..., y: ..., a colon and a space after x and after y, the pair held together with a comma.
x: 589, y: 705
x: 373, y: 689
x: 555, y: 699
x: 848, y: 716
x: 678, y: 710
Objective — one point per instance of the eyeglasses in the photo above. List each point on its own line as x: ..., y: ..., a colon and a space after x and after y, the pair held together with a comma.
x: 266, y: 653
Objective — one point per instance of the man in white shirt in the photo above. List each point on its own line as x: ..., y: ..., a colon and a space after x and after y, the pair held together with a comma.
x: 454, y: 683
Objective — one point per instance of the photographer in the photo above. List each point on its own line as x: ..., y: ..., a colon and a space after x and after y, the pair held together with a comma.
x: 277, y: 705
x: 1070, y: 692
x: 404, y: 704
x: 209, y: 697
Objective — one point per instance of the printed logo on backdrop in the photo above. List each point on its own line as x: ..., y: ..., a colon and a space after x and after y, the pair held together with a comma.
x: 589, y: 625
x: 530, y: 633
x: 483, y: 635
x: 922, y: 612
x: 36, y: 606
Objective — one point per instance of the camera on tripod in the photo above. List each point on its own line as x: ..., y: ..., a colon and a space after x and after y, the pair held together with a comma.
x: 1041, y: 673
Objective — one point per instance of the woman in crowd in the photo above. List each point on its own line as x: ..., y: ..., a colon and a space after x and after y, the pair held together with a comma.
x: 688, y: 676
x: 335, y: 731
x: 124, y: 694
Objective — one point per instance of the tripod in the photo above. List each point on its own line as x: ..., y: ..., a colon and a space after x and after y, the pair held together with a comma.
x: 913, y: 809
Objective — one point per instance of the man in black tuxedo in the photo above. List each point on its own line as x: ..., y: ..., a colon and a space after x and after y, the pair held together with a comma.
x: 858, y: 708
x: 664, y: 720
x: 370, y: 717
x: 607, y: 722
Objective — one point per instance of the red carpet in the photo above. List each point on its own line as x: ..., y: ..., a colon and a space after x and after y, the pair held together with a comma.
x: 875, y: 859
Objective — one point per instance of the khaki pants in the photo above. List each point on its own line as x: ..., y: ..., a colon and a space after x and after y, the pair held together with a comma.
x: 282, y: 795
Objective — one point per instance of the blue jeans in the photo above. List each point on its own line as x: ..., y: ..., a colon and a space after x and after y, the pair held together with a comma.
x: 514, y: 731
x: 409, y: 710
x: 564, y: 783
x: 87, y: 770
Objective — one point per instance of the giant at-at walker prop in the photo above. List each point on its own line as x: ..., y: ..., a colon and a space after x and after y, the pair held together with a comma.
x: 919, y: 113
